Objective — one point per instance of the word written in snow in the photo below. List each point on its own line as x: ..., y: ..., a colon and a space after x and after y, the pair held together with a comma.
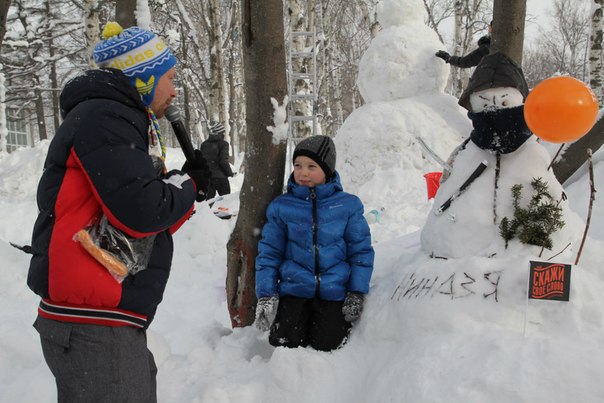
x: 549, y: 281
x: 457, y: 285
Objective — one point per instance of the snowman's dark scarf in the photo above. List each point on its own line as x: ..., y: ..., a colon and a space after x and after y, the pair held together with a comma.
x: 499, y: 131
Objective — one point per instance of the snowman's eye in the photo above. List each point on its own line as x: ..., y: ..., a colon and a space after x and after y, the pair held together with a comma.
x: 504, y: 103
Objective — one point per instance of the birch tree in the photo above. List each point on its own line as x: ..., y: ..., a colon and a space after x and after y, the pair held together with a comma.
x: 369, y: 18
x: 92, y: 32
x: 298, y: 22
x: 218, y: 103
x: 595, y: 51
x: 4, y: 6
x: 3, y: 125
x: 234, y: 79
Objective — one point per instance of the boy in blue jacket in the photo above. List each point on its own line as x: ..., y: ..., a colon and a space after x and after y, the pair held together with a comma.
x: 315, y: 258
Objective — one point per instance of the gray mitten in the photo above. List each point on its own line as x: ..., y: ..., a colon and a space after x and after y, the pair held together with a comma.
x: 266, y: 310
x: 353, y: 306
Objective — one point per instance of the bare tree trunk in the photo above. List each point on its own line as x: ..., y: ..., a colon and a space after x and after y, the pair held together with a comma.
x: 508, y: 28
x: 4, y: 5
x: 595, y: 52
x: 265, y: 78
x: 124, y: 13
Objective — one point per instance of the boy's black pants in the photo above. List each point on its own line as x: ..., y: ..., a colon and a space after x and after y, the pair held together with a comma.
x: 309, y: 322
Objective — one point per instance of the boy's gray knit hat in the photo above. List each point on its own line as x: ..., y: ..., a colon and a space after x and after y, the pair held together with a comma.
x: 320, y: 149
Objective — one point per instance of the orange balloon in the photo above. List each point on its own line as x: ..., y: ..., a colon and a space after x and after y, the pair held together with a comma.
x: 560, y: 109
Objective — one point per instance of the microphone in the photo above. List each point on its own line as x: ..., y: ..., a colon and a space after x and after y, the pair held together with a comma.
x: 173, y: 115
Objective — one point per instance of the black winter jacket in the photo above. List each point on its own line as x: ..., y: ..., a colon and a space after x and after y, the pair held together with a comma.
x: 474, y: 57
x: 216, y: 153
x: 98, y: 163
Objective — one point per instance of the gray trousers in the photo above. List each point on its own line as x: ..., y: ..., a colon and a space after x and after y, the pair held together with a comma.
x: 96, y: 364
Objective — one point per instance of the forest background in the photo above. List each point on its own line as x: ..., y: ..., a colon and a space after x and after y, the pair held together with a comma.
x: 244, y: 63
x: 45, y: 43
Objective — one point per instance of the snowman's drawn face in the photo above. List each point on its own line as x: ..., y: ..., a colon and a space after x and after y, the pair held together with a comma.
x: 495, y: 98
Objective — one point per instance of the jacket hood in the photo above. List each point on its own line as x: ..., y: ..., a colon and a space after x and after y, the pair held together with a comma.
x: 99, y: 84
x: 494, y: 71
x: 321, y: 191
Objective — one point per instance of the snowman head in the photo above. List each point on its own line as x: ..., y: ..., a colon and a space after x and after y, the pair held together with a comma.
x: 495, y: 98
x: 495, y: 72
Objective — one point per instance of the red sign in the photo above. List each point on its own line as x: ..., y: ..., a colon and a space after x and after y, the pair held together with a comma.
x: 549, y: 281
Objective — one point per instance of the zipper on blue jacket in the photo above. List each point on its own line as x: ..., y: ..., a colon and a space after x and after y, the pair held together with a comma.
x: 315, y: 228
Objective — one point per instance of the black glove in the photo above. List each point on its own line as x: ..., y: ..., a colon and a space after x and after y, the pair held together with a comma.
x: 443, y: 55
x: 200, y: 173
x: 353, y: 306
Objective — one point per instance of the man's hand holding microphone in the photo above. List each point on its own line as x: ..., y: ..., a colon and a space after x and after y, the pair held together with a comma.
x: 195, y: 166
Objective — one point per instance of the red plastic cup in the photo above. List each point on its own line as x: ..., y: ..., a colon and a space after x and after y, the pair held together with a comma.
x: 432, y: 183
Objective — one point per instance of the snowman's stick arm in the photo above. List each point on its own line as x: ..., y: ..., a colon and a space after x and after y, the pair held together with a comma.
x: 432, y: 154
x: 477, y: 172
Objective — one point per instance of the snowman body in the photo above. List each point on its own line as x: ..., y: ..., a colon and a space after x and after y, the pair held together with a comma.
x: 470, y: 226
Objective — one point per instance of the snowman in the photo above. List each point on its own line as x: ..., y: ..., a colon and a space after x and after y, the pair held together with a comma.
x: 501, y: 152
x: 380, y: 155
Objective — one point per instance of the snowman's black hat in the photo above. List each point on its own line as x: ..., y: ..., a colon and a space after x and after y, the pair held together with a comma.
x: 494, y: 71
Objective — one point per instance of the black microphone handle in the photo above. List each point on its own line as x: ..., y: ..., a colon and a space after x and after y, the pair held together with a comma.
x: 184, y: 140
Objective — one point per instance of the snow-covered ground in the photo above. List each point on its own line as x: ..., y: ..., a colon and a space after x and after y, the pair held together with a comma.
x: 433, y: 330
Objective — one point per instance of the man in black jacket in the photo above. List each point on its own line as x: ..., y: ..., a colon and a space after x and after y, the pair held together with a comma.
x: 215, y: 151
x: 107, y: 160
x: 471, y: 59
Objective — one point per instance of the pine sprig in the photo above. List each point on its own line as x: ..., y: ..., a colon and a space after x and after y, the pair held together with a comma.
x: 534, y: 224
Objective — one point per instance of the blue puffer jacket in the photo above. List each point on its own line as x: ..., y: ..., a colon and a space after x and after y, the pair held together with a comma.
x: 327, y: 263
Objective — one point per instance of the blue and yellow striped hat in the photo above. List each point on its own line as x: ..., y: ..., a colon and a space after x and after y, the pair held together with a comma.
x: 140, y: 54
